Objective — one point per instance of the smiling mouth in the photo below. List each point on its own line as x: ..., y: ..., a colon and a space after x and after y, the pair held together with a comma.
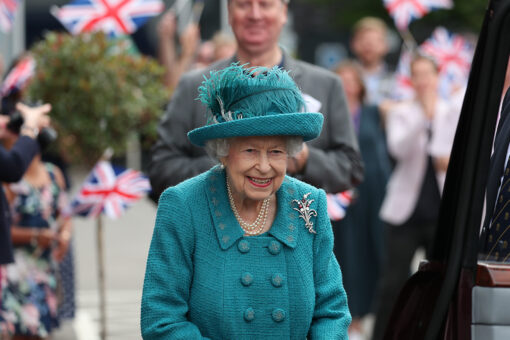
x: 260, y: 182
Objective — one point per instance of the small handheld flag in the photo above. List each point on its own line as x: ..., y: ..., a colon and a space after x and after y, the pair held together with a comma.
x: 405, y: 11
x: 453, y: 55
x: 338, y: 204
x: 19, y: 76
x: 7, y: 12
x: 110, y: 190
x: 114, y: 17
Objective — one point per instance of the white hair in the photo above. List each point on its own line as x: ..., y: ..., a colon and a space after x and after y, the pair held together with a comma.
x: 219, y: 147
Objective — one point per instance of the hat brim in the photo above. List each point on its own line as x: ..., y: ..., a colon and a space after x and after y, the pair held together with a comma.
x: 307, y: 125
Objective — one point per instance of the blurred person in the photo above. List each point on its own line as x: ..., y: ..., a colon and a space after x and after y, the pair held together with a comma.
x: 40, y: 236
x: 15, y: 162
x: 331, y: 161
x: 420, y: 135
x: 369, y: 43
x: 230, y: 257
x: 66, y: 275
x: 359, y: 236
x: 224, y: 46
x: 221, y: 46
x: 205, y: 55
x: 175, y: 65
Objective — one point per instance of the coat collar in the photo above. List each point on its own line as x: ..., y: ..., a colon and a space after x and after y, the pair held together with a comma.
x: 228, y: 230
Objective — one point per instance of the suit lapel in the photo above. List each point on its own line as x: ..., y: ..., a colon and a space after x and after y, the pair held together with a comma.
x: 498, y: 159
x: 291, y: 65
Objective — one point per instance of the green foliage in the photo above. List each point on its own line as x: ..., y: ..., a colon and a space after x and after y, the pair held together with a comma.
x: 464, y: 16
x: 98, y: 91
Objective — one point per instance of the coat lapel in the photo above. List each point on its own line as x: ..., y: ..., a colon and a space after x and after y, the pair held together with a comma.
x: 228, y: 230
x: 287, y: 221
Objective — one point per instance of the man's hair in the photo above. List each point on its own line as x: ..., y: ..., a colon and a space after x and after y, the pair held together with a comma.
x: 370, y: 23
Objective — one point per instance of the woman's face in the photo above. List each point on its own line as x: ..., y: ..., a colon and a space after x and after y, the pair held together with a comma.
x: 424, y: 76
x: 256, y: 166
x: 352, y: 86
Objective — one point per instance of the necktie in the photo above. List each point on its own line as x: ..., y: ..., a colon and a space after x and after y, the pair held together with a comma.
x: 497, y: 248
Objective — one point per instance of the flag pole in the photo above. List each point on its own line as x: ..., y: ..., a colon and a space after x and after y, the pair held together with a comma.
x: 408, y: 38
x: 101, y: 277
x: 107, y: 155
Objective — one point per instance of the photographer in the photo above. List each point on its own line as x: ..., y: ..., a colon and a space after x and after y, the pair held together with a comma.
x: 15, y: 161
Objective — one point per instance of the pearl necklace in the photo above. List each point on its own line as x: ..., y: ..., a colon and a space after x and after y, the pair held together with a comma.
x: 257, y: 226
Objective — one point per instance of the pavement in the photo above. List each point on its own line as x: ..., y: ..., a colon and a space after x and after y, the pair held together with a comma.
x: 126, y: 244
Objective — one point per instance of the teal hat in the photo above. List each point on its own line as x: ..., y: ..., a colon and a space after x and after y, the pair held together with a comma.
x: 255, y: 101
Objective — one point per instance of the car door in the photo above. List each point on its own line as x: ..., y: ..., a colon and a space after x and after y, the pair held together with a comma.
x: 453, y: 295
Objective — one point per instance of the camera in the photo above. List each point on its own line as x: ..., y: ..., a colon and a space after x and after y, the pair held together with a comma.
x: 45, y: 137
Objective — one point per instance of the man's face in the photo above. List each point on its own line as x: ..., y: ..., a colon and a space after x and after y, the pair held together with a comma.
x: 257, y: 23
x: 370, y: 46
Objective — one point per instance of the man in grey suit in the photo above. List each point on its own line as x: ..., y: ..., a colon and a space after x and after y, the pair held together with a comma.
x: 331, y: 162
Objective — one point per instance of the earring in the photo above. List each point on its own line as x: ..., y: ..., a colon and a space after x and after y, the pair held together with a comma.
x: 222, y: 166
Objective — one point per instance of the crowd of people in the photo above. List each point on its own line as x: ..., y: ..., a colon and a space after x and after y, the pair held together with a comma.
x: 243, y: 246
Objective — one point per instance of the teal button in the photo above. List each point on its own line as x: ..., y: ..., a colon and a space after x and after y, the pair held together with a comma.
x: 243, y: 246
x: 277, y: 280
x: 278, y: 315
x: 274, y: 247
x: 249, y: 314
x: 246, y: 279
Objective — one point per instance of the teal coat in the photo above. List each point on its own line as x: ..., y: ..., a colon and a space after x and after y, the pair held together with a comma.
x: 204, y: 279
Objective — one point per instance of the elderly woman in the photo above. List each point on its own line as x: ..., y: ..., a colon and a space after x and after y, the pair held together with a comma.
x: 243, y: 251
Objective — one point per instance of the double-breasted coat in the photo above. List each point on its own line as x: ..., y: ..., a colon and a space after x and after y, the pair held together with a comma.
x: 205, y: 279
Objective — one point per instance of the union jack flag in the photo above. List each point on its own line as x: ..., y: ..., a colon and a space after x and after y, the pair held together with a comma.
x: 110, y: 190
x: 453, y: 55
x: 19, y: 76
x: 114, y: 17
x: 7, y: 12
x: 405, y: 11
x: 338, y: 203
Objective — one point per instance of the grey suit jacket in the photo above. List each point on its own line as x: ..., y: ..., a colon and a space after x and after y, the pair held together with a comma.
x: 334, y: 163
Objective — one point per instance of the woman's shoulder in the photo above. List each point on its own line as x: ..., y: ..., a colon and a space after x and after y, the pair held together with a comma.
x: 300, y: 188
x: 187, y: 189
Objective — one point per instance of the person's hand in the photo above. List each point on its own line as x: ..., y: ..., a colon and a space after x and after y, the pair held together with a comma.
x: 63, y: 239
x: 297, y: 163
x: 34, y: 117
x: 441, y: 163
x: 45, y: 238
x: 167, y: 26
x: 385, y: 106
x: 190, y: 39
